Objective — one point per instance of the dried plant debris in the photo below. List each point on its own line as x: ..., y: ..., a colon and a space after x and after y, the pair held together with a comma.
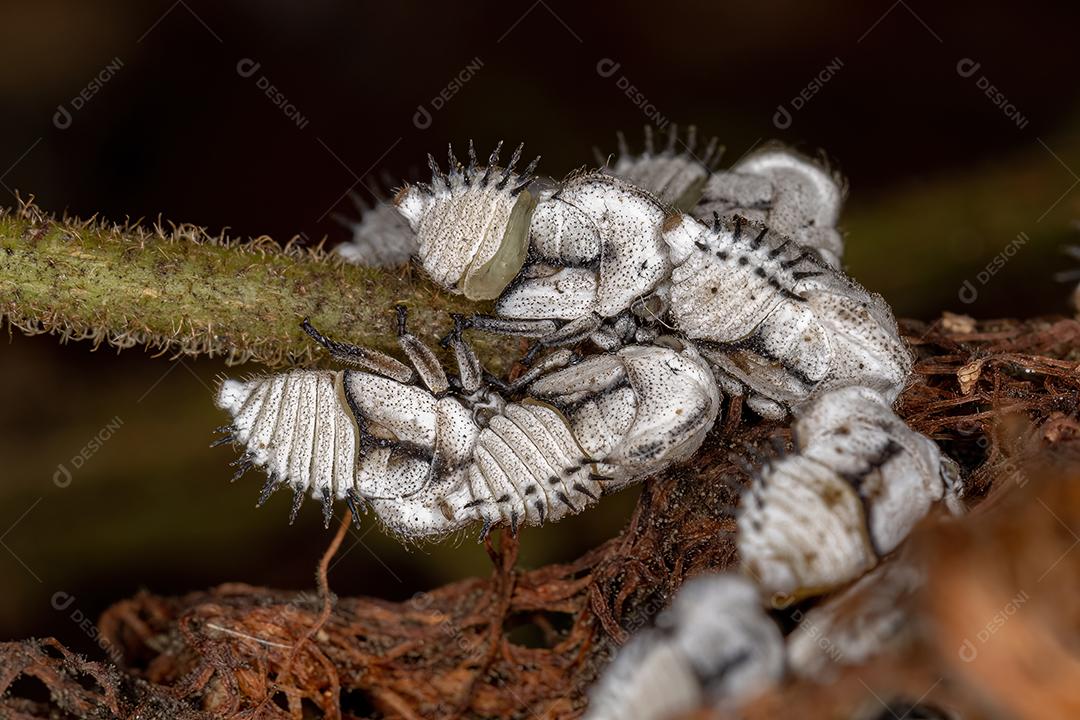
x: 225, y: 652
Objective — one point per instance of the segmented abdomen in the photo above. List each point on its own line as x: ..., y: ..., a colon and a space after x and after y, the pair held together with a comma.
x: 529, y: 468
x: 859, y: 483
x: 295, y: 425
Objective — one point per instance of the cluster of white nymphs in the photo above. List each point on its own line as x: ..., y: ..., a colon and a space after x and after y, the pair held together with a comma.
x: 688, y: 282
x: 747, y: 269
x: 761, y: 304
x: 810, y: 522
x: 432, y: 453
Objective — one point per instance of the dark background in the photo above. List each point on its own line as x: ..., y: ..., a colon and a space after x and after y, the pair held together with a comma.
x: 942, y: 182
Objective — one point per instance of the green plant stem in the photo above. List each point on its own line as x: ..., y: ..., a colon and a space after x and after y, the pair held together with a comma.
x: 181, y: 291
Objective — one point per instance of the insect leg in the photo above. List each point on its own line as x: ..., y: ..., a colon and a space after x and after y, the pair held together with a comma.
x: 554, y: 361
x: 421, y: 356
x: 371, y: 360
x: 522, y: 328
x: 573, y: 332
x: 470, y: 372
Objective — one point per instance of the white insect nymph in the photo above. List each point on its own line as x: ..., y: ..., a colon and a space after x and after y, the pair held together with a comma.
x: 860, y: 482
x: 432, y: 454
x: 471, y: 223
x: 870, y: 617
x: 676, y: 174
x: 792, y: 194
x: 380, y: 238
x: 598, y: 237
x: 714, y: 647
x: 775, y: 319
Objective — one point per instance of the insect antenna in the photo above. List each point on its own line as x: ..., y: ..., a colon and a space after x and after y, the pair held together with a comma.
x: 242, y: 464
x: 691, y: 139
x: 601, y: 160
x: 713, y: 152
x: 228, y: 436
x: 355, y: 503
x: 451, y: 159
x: 672, y: 136
x: 1073, y: 251
x: 565, y: 501
x: 578, y: 487
x: 526, y: 176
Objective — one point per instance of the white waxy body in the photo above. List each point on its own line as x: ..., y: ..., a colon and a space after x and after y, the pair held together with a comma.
x: 471, y: 225
x: 780, y: 324
x: 429, y: 466
x: 714, y: 647
x: 792, y: 194
x: 269, y: 413
x: 860, y: 482
x: 380, y: 238
x: 870, y: 617
x: 601, y: 221
x: 775, y: 318
x: 676, y: 174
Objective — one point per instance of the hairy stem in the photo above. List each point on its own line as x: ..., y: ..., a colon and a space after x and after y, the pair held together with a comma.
x: 181, y: 291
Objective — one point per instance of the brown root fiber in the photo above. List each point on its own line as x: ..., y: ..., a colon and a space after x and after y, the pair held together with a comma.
x: 1001, y: 397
